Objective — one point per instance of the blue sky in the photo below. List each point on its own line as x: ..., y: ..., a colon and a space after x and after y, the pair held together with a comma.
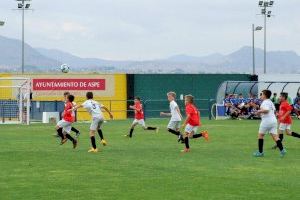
x: 151, y: 29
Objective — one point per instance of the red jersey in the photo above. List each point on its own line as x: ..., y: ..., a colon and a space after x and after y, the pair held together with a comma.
x: 67, y: 113
x: 283, y: 109
x: 194, y: 114
x: 139, y: 113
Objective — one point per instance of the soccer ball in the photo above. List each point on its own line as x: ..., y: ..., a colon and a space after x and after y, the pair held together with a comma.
x: 64, y: 68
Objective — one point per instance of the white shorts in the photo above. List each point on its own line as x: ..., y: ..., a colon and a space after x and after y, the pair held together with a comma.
x: 67, y: 126
x: 191, y: 129
x: 284, y: 127
x: 140, y: 122
x: 268, y: 128
x: 174, y: 125
x: 96, y: 123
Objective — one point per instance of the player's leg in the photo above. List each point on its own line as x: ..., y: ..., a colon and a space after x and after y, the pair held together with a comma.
x: 76, y: 131
x: 93, y: 142
x: 67, y: 130
x: 173, y: 127
x: 188, y: 134
x: 58, y: 128
x: 294, y: 134
x: 100, y: 133
x: 149, y: 128
x: 281, y: 129
x: 201, y: 134
x: 134, y: 123
x: 278, y: 142
x: 260, y: 152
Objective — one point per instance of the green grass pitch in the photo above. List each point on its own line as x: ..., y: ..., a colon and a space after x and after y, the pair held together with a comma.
x: 149, y: 166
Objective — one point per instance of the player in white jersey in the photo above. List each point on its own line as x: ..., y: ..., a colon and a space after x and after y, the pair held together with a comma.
x: 176, y: 117
x: 94, y: 108
x: 268, y: 124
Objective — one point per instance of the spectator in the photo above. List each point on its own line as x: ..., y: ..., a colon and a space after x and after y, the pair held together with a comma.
x: 297, y: 108
x: 297, y: 98
x: 275, y: 100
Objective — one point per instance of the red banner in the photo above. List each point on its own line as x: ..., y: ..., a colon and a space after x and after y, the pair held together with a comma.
x: 68, y: 84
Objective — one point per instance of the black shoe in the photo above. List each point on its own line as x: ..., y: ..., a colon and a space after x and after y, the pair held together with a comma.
x: 74, y: 144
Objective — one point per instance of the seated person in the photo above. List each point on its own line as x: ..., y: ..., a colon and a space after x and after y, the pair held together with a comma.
x: 297, y: 108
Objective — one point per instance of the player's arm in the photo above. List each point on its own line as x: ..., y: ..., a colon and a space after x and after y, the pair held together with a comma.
x: 179, y: 113
x: 186, y: 120
x: 106, y: 109
x: 163, y: 114
x: 77, y: 107
x: 285, y: 115
x: 262, y: 111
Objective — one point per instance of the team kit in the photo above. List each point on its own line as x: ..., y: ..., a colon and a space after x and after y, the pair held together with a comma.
x: 184, y: 129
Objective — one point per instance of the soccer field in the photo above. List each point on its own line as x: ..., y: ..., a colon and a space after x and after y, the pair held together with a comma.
x: 149, y: 166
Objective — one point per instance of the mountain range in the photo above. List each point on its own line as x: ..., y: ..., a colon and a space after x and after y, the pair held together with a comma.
x: 240, y: 61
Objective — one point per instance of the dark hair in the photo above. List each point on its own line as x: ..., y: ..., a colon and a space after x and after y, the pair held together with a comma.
x: 267, y: 93
x: 89, y: 95
x: 66, y: 93
x: 275, y: 93
x: 137, y: 98
x: 71, y: 98
x: 284, y: 95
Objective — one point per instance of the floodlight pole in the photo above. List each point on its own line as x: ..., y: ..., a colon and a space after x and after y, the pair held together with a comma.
x: 264, y: 4
x: 253, y: 50
x: 23, y: 7
x: 23, y: 37
x: 265, y: 43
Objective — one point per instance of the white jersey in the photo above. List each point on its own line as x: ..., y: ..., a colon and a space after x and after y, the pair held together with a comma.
x: 94, y: 108
x: 173, y: 109
x: 270, y: 117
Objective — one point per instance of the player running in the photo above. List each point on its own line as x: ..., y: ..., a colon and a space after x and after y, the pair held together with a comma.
x: 268, y: 124
x: 284, y: 117
x: 63, y: 127
x: 176, y: 117
x: 94, y: 108
x: 77, y: 133
x: 192, y: 123
x: 139, y: 117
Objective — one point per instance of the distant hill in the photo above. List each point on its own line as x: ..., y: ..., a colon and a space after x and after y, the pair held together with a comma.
x: 240, y: 61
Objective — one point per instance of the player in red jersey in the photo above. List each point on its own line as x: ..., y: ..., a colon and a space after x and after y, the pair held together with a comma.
x: 77, y: 132
x: 139, y: 117
x: 284, y: 118
x: 64, y: 126
x: 192, y: 122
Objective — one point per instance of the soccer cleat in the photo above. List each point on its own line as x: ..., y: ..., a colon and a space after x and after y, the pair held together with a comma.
x: 205, y: 135
x: 258, y: 154
x: 77, y: 135
x: 157, y: 129
x: 75, y: 143
x: 185, y: 150
x: 103, y: 142
x: 283, y: 152
x: 63, y: 141
x: 92, y: 150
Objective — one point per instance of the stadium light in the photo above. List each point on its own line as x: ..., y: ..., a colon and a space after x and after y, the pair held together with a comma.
x: 265, y: 5
x: 257, y: 28
x: 22, y: 6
